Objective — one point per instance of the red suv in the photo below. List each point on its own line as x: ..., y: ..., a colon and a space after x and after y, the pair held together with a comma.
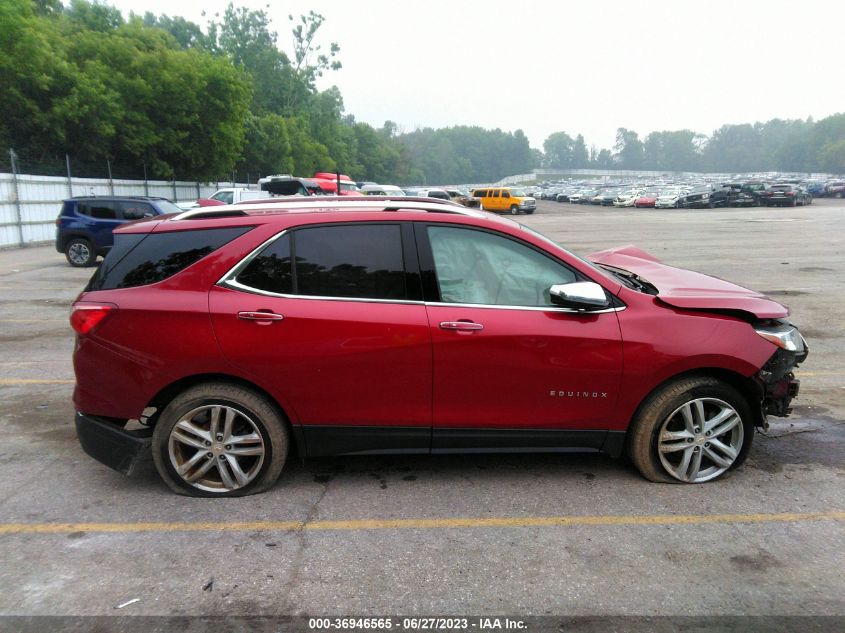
x: 226, y: 338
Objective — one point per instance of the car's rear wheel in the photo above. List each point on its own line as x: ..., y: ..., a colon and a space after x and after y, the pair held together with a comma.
x: 80, y: 253
x: 220, y: 440
x: 691, y: 431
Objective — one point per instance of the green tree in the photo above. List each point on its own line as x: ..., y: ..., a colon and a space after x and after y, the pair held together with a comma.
x: 579, y: 153
x: 628, y: 149
x: 559, y: 148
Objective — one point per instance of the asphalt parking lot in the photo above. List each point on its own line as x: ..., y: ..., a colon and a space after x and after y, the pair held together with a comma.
x: 514, y: 534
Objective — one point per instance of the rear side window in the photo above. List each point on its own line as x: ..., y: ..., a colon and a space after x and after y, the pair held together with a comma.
x: 157, y: 256
x: 100, y: 210
x: 271, y: 269
x: 362, y: 261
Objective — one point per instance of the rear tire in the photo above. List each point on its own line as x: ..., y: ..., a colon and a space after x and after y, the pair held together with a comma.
x: 230, y: 442
x: 669, y: 440
x: 80, y: 253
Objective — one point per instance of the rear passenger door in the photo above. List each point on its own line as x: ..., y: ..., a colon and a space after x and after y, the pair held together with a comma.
x: 101, y: 218
x: 331, y: 318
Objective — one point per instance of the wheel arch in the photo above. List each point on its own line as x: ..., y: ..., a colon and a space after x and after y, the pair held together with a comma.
x: 66, y: 236
x: 747, y: 387
x: 167, y: 393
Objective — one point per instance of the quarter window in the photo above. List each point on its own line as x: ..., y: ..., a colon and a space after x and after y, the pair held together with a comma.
x: 478, y: 267
x: 157, y: 256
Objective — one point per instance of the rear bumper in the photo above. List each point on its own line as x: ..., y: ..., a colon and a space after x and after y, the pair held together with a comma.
x: 111, y: 444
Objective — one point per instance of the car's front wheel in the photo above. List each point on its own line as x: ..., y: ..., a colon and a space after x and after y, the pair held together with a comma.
x: 80, y: 253
x: 514, y: 209
x: 691, y: 431
x: 220, y: 440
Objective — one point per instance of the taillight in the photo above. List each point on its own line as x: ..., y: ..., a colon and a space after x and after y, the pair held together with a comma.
x: 790, y: 193
x: 84, y: 317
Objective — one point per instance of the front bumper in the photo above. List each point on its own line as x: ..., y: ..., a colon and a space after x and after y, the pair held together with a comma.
x: 778, y: 382
x: 111, y: 444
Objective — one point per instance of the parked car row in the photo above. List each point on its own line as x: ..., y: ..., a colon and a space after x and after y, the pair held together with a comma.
x: 688, y: 196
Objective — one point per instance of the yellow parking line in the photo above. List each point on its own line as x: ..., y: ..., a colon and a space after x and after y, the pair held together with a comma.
x: 393, y: 524
x: 819, y: 373
x: 34, y: 381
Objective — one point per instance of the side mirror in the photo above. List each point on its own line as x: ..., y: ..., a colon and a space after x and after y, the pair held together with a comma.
x: 581, y: 295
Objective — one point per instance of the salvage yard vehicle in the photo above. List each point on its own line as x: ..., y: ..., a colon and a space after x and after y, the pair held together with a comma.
x: 505, y: 200
x: 646, y: 199
x: 85, y: 223
x: 786, y: 195
x: 224, y: 340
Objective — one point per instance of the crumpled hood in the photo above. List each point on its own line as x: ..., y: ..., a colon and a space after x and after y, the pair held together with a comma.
x: 688, y: 289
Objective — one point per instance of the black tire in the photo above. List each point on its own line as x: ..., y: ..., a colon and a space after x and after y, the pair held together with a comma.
x: 80, y: 253
x: 255, y: 409
x: 643, y: 435
x: 514, y: 210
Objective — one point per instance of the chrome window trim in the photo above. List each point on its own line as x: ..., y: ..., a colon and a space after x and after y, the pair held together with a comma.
x: 228, y: 280
x: 229, y: 276
x: 490, y: 306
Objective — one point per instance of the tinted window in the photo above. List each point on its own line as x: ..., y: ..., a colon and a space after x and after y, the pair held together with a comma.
x: 480, y: 193
x: 271, y: 269
x: 483, y: 268
x: 495, y: 193
x: 158, y: 256
x: 99, y: 209
x: 136, y: 210
x: 362, y: 261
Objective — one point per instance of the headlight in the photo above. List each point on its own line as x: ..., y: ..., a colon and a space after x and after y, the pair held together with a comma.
x: 784, y: 336
x: 705, y: 196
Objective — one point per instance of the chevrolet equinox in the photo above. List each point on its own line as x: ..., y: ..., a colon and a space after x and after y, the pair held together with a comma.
x: 223, y: 340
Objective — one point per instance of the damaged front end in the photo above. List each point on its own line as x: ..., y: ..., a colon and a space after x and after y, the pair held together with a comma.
x: 776, y: 379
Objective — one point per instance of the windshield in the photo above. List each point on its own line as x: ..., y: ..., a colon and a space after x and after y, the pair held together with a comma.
x: 518, y: 193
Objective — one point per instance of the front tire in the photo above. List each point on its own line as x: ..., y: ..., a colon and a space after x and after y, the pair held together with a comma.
x: 514, y: 210
x: 691, y: 431
x: 80, y: 253
x: 220, y: 440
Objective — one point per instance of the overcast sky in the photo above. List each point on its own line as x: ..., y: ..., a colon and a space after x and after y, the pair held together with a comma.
x: 587, y: 67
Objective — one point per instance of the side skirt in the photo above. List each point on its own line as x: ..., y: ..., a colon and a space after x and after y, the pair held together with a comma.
x: 325, y: 440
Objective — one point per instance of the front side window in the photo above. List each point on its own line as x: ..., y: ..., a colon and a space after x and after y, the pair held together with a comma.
x: 136, y: 210
x: 362, y: 261
x: 479, y: 267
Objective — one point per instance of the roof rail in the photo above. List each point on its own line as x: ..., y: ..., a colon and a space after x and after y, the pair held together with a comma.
x: 341, y: 203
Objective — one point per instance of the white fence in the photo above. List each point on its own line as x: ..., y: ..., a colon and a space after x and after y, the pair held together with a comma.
x: 29, y: 205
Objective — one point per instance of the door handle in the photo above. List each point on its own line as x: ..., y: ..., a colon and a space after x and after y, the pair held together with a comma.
x: 260, y: 316
x: 461, y: 326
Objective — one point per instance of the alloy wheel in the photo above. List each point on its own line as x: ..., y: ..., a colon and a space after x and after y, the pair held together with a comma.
x: 700, y: 440
x: 216, y: 448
